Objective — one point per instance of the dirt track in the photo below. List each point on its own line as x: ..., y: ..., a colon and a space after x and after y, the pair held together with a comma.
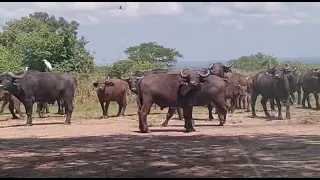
x: 244, y: 147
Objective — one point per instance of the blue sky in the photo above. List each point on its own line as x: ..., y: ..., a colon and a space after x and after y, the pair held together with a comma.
x: 200, y: 31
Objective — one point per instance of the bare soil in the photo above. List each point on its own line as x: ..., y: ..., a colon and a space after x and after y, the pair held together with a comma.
x: 95, y: 147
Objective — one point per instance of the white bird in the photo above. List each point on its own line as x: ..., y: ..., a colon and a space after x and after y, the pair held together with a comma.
x: 26, y: 68
x: 47, y: 63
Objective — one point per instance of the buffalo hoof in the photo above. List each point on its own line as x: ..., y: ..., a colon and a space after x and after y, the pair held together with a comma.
x: 67, y: 123
x: 280, y: 117
x: 15, y: 117
x: 28, y: 124
x: 248, y: 110
x: 188, y: 130
x: 221, y: 124
x: 254, y: 116
x: 288, y: 116
x: 145, y: 131
x: 105, y: 117
x: 164, y: 125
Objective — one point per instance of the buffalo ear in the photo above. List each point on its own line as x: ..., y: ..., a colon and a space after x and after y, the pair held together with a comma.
x: 109, y: 83
x: 15, y: 82
x: 184, y: 89
x: 270, y: 71
x: 95, y: 84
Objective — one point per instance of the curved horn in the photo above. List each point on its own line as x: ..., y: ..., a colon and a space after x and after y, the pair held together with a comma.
x: 17, y: 76
x: 182, y: 73
x: 230, y: 65
x: 316, y: 71
x: 210, y: 65
x: 294, y: 69
x: 286, y: 67
x: 206, y: 74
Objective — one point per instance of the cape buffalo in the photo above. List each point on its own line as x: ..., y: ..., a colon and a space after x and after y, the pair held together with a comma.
x: 310, y: 83
x: 14, y: 103
x: 169, y: 90
x: 43, y: 87
x: 112, y: 90
x: 275, y: 84
x: 216, y: 90
x: 219, y: 69
x: 242, y: 80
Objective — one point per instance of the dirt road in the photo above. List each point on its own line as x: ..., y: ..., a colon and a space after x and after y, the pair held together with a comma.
x: 244, y: 147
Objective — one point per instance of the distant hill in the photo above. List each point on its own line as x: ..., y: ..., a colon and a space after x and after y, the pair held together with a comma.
x: 201, y: 64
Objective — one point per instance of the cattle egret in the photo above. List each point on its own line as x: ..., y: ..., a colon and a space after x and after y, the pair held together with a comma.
x: 26, y: 68
x: 47, y: 64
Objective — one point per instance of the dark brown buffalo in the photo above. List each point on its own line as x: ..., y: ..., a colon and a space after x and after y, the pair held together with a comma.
x: 14, y: 103
x: 132, y: 82
x: 219, y: 69
x: 275, y: 84
x: 216, y: 90
x: 112, y: 90
x: 242, y: 80
x: 169, y: 90
x: 310, y: 83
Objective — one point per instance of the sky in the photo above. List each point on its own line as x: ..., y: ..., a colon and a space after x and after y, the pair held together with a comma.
x: 201, y: 31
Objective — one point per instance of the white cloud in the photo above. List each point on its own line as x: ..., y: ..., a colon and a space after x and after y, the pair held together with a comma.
x: 98, y: 10
x: 259, y: 7
x: 218, y: 11
x: 233, y: 22
x: 287, y: 21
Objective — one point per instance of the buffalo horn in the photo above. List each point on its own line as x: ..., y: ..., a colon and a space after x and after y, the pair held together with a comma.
x: 230, y: 65
x: 210, y: 65
x: 206, y: 74
x: 316, y: 71
x: 182, y: 73
x: 17, y: 76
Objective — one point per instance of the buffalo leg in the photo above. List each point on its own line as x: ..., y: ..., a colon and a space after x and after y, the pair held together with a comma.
x: 210, y: 111
x: 103, y: 110
x: 299, y: 96
x: 272, y: 104
x: 279, y: 109
x: 168, y: 116
x: 308, y: 100
x: 248, y: 102
x: 60, y: 111
x: 69, y: 110
x: 317, y: 100
x: 28, y: 104
x: 124, y: 106
x: 40, y: 109
x: 293, y: 98
x: 222, y: 109
x: 253, y: 104
x: 187, y: 114
x: 243, y: 98
x: 17, y: 107
x: 145, y: 110
x: 11, y: 108
x: 180, y: 114
x: 264, y: 105
x: 5, y: 102
x: 304, y: 98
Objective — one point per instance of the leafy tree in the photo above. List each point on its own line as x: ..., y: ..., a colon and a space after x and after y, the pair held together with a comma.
x: 8, y: 61
x: 154, y: 53
x: 41, y: 36
x: 255, y: 62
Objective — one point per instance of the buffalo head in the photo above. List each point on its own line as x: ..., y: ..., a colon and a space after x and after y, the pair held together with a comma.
x: 101, y: 85
x: 279, y: 72
x: 192, y: 79
x: 132, y: 82
x: 219, y: 69
x: 316, y: 72
x: 10, y: 79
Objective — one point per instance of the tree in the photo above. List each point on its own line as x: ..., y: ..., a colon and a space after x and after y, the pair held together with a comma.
x: 255, y: 62
x: 8, y: 61
x: 41, y: 36
x: 154, y: 53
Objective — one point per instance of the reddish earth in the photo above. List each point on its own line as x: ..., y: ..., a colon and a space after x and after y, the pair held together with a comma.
x: 244, y: 147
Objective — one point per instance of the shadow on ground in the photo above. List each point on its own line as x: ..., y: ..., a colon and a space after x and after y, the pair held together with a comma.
x: 162, y: 156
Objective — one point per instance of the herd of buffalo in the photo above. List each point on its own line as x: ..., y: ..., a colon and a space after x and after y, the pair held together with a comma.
x: 214, y: 86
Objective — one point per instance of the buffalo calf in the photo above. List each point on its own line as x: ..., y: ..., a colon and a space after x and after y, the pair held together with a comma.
x: 112, y: 90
